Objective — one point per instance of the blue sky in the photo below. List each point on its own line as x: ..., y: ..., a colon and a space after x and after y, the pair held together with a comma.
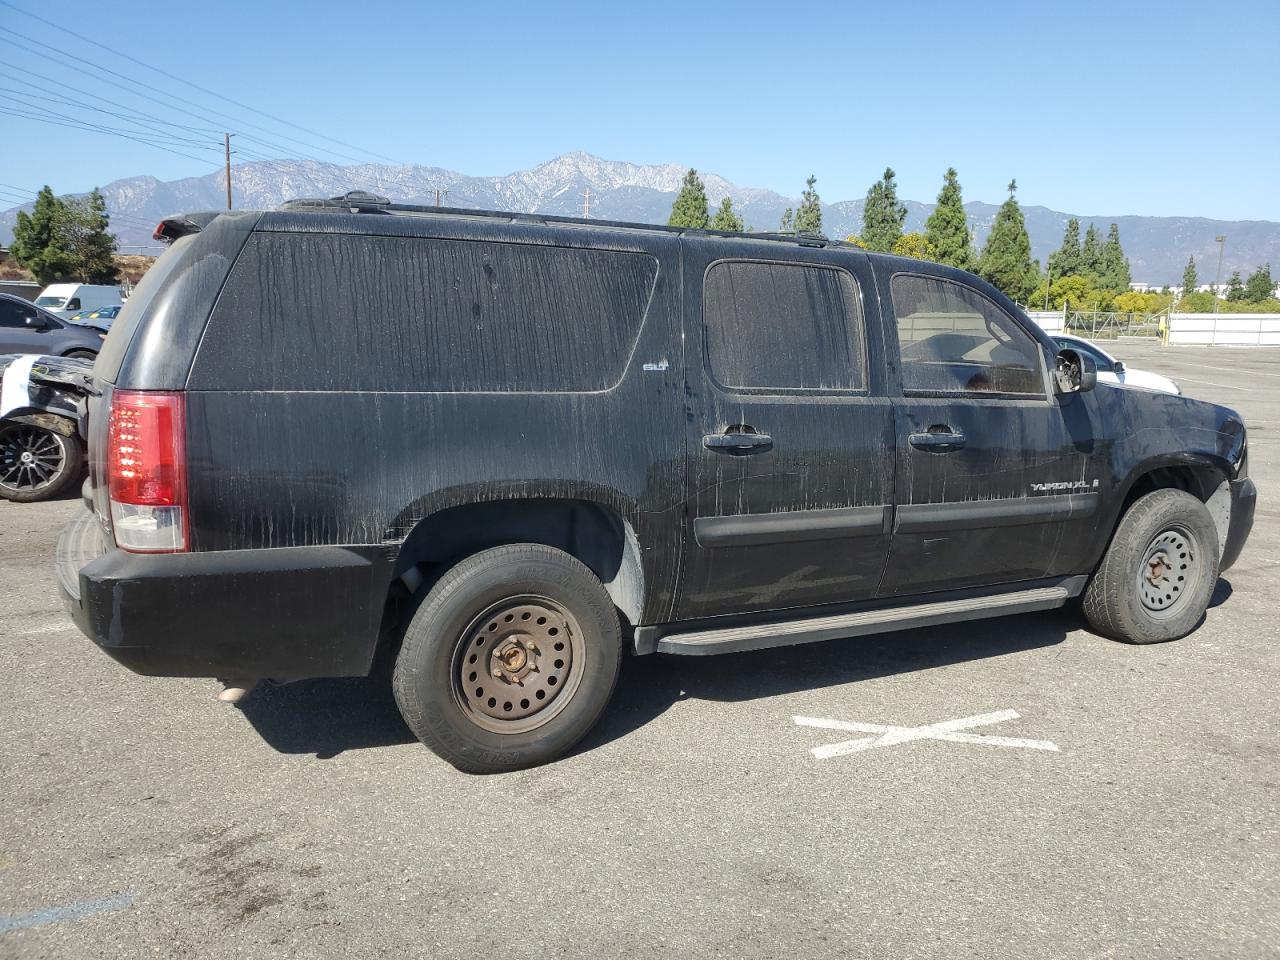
x: 1095, y: 108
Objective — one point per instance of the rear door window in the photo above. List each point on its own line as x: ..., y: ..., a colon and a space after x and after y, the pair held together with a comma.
x: 345, y: 312
x: 783, y: 326
x: 952, y: 339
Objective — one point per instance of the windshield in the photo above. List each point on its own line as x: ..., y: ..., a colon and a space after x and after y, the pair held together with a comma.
x: 53, y: 302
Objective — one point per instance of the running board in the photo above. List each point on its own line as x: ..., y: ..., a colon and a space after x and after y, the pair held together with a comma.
x: 884, y: 620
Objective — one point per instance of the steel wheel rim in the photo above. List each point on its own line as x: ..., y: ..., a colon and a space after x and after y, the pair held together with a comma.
x: 1169, y: 568
x: 30, y: 458
x: 535, y: 647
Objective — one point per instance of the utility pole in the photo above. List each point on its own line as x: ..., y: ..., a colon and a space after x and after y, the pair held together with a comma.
x: 437, y: 196
x: 226, y: 143
x: 1222, y: 243
x: 586, y: 205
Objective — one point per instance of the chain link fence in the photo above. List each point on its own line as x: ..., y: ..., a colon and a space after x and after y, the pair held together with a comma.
x: 1114, y: 324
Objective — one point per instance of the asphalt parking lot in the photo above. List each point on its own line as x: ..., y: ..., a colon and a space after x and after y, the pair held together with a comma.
x: 1130, y: 811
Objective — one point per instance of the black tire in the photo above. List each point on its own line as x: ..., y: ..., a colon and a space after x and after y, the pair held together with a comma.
x: 81, y: 355
x: 57, y: 462
x: 522, y: 607
x: 1159, y: 573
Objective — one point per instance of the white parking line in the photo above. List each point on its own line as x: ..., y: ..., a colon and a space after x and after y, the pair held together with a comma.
x: 890, y: 735
x: 1210, y: 383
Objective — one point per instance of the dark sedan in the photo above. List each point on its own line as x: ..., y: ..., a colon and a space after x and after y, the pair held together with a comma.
x: 26, y: 328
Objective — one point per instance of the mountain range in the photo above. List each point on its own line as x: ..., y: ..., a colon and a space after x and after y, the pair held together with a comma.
x: 1157, y: 247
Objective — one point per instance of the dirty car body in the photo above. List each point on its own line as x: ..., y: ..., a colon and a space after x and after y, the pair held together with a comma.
x: 740, y: 438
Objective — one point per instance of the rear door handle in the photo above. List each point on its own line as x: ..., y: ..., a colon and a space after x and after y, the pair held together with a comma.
x: 737, y: 442
x: 940, y: 442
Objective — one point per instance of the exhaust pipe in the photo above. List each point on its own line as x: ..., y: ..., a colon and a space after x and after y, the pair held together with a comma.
x: 233, y: 691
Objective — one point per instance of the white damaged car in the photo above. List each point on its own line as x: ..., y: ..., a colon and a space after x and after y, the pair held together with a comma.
x: 1111, y: 370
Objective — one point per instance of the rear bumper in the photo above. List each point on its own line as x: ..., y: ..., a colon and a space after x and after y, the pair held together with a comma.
x: 1244, y: 499
x: 284, y: 614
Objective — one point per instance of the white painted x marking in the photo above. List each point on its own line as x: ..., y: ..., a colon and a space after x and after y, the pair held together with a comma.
x: 889, y: 736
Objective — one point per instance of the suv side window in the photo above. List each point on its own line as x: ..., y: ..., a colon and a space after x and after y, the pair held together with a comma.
x: 783, y: 326
x: 953, y: 339
x: 348, y: 312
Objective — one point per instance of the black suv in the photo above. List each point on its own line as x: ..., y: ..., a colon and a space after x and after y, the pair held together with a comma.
x: 497, y: 450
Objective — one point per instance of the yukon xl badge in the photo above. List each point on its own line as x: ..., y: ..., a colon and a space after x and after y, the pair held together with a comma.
x: 1057, y: 486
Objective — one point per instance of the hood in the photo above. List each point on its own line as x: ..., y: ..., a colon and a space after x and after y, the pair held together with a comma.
x: 65, y: 372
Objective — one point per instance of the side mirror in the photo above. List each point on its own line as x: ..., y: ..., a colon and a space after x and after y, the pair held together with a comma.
x: 1074, y: 372
x: 1118, y: 367
x: 36, y: 323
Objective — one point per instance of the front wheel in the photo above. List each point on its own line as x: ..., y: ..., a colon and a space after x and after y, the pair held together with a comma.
x: 510, y: 659
x: 1156, y: 579
x: 37, y: 463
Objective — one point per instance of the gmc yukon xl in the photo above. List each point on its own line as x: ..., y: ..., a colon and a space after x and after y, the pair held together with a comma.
x: 499, y: 450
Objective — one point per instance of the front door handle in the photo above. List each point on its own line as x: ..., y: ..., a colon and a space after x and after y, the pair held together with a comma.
x: 939, y: 442
x: 737, y: 442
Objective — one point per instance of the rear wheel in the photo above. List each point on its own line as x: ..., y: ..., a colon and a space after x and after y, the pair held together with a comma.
x: 37, y: 463
x: 1156, y: 579
x: 81, y: 355
x: 509, y: 660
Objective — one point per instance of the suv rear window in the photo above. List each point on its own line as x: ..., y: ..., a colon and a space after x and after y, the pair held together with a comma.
x: 345, y: 312
x: 783, y: 326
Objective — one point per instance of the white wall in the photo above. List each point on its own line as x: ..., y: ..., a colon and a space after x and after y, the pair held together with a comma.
x: 1225, y: 329
x: 1050, y: 323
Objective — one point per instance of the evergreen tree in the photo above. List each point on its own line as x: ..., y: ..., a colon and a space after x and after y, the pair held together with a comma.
x: 1115, y: 267
x: 809, y: 216
x: 1006, y: 258
x: 690, y: 208
x: 38, y: 243
x: 788, y: 224
x: 1091, y: 255
x: 726, y: 219
x: 1235, y: 288
x: 66, y: 239
x: 1260, y: 286
x: 1189, y: 278
x: 946, y: 232
x: 1065, y: 261
x: 91, y: 242
x: 883, y: 215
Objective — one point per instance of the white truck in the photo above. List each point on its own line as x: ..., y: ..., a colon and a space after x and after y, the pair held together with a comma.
x: 65, y: 299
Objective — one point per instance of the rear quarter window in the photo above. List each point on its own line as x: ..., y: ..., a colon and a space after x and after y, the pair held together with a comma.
x: 346, y: 312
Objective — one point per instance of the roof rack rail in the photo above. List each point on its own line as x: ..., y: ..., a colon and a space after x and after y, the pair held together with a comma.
x: 358, y: 201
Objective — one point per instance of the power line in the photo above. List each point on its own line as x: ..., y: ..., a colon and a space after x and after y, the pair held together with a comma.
x: 194, y: 86
x: 268, y: 143
x: 144, y: 96
x: 62, y: 100
x: 93, y: 96
x: 26, y: 101
x: 93, y: 128
x: 80, y: 64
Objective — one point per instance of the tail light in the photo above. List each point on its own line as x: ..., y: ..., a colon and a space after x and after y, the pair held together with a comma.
x: 147, y: 471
